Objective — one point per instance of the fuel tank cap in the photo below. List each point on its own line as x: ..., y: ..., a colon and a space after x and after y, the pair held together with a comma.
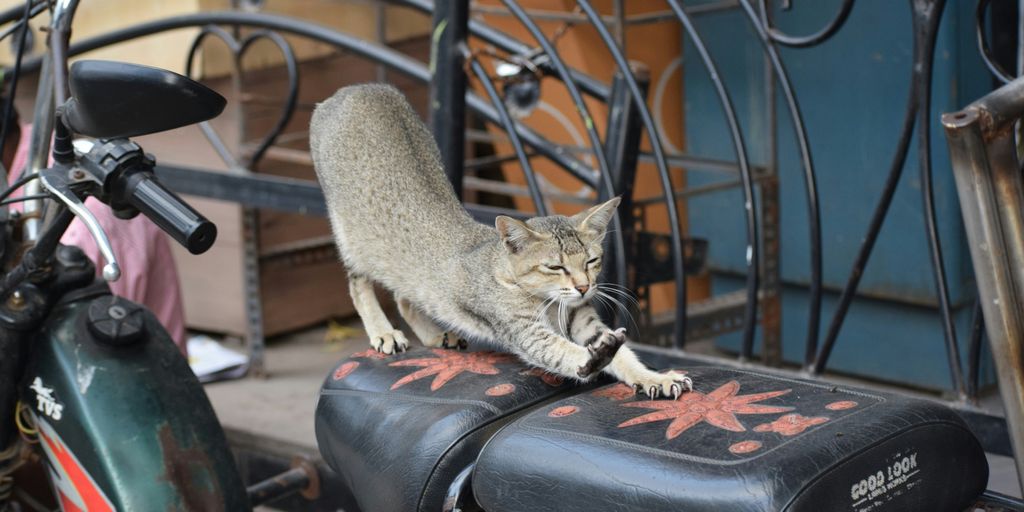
x: 116, y: 321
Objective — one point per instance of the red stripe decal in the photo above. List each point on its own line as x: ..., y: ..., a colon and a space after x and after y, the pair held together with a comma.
x: 92, y: 497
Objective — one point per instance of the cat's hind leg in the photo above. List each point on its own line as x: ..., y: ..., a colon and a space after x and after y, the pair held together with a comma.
x: 383, y: 336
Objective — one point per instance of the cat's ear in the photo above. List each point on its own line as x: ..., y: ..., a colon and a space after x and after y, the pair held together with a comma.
x: 596, y: 218
x: 515, y: 234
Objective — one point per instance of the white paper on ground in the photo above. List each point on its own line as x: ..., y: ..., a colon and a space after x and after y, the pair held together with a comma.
x: 206, y: 356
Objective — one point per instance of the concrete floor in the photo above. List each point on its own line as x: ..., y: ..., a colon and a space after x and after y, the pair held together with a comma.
x: 280, y: 408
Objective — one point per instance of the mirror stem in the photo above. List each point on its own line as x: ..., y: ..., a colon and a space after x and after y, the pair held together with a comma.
x: 63, y: 149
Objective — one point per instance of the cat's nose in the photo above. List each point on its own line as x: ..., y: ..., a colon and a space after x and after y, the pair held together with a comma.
x: 583, y: 288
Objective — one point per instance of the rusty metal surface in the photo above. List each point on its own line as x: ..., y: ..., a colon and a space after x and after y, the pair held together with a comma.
x: 189, y: 470
x: 989, y: 184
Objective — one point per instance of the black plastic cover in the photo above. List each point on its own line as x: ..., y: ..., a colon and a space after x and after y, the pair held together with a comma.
x: 117, y: 99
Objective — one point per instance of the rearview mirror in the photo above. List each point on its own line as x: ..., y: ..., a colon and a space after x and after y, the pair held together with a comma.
x: 117, y: 99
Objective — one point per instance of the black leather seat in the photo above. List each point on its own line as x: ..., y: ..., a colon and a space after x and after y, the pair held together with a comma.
x: 398, y: 429
x: 743, y: 441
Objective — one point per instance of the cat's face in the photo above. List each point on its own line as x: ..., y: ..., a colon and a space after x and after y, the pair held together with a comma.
x: 557, y: 258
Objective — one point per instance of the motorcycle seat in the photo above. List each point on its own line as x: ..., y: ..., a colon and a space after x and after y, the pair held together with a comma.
x: 742, y: 441
x: 398, y: 429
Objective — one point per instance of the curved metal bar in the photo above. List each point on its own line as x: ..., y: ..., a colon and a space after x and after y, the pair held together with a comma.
x: 810, y: 182
x: 654, y: 134
x: 507, y: 43
x: 753, y: 243
x: 15, y: 12
x: 291, y: 100
x: 238, y: 49
x: 513, y: 137
x: 805, y: 41
x: 229, y: 41
x: 986, y: 53
x: 385, y: 56
x: 925, y: 28
x: 588, y: 122
x: 924, y: 156
x: 460, y: 487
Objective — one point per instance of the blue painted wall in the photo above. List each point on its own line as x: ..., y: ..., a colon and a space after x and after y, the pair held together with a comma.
x: 853, y: 91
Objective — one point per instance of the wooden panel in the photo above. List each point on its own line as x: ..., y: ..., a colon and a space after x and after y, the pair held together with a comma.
x: 354, y: 17
x: 166, y: 50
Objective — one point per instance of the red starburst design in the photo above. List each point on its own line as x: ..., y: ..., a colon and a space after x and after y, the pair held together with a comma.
x: 790, y: 424
x: 618, y: 392
x: 549, y: 378
x: 370, y: 354
x: 718, y: 408
x: 449, y: 364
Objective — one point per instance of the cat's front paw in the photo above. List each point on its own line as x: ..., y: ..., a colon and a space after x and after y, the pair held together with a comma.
x: 602, y: 351
x: 656, y: 385
x: 391, y: 342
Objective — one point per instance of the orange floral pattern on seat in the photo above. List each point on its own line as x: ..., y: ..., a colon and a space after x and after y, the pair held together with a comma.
x: 449, y: 364
x: 370, y: 354
x: 617, y: 392
x: 717, y: 408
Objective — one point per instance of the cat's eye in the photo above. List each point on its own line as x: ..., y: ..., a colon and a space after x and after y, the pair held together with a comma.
x: 592, y: 261
x: 555, y: 268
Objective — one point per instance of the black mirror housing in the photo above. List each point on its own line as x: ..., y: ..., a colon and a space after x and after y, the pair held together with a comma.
x: 117, y: 99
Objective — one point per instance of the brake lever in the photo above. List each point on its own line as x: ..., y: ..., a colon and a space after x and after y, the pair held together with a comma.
x: 58, y: 180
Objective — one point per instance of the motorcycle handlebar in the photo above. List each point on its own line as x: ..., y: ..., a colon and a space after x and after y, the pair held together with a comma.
x: 187, y: 226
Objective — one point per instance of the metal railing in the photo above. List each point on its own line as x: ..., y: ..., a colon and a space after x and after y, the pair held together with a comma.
x: 984, y: 135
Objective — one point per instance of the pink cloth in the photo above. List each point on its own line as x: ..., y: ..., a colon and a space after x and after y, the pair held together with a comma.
x: 148, y: 273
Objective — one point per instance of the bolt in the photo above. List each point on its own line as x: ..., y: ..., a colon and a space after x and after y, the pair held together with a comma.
x: 117, y: 312
x: 78, y: 174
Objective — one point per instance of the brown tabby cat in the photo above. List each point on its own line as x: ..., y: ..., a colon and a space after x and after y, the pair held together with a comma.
x: 398, y: 223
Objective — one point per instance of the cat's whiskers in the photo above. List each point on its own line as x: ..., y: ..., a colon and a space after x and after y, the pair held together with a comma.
x: 544, y: 309
x: 619, y: 291
x: 562, y: 320
x: 606, y: 298
x: 541, y: 310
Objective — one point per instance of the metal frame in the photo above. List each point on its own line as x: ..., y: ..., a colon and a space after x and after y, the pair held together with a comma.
x: 452, y: 65
x: 983, y: 147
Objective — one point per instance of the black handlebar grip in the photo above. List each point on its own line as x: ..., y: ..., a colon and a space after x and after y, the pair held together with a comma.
x: 173, y: 215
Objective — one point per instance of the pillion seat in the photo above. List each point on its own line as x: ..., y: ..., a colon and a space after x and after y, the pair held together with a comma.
x: 743, y: 441
x: 398, y: 429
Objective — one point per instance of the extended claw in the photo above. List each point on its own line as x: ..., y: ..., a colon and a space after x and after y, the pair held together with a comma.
x: 602, y: 351
x: 390, y: 343
x: 458, y: 343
